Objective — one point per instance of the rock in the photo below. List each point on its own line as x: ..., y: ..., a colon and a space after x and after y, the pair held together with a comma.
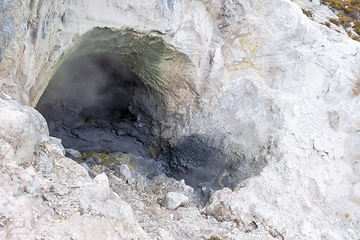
x: 73, y: 153
x: 22, y: 128
x: 124, y: 171
x: 217, y: 207
x: 173, y: 200
x: 102, y: 187
x: 32, y: 187
x: 165, y: 235
x: 86, y: 167
x: 355, y: 194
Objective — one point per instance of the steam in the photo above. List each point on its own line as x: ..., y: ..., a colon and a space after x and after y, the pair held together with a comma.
x: 93, y: 86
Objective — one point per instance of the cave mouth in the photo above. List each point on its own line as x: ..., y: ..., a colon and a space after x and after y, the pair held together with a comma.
x: 94, y: 103
x: 125, y: 91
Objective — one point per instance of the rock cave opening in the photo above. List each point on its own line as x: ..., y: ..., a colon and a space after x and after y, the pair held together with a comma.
x: 122, y: 96
x: 93, y: 104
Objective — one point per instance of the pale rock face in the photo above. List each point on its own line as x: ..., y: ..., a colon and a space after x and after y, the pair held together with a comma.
x: 269, y: 85
x: 23, y: 128
x: 174, y: 200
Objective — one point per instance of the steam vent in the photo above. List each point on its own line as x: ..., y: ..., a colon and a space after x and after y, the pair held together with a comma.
x: 179, y: 119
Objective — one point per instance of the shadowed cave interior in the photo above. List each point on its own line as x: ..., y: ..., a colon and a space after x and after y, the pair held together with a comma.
x: 87, y: 105
x: 91, y: 105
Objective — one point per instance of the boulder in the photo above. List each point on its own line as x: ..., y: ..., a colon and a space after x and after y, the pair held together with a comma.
x: 173, y: 200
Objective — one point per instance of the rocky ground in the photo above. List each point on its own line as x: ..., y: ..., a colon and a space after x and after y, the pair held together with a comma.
x: 49, y: 196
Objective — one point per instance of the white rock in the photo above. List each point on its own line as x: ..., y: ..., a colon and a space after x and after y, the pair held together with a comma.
x: 165, y: 235
x: 173, y: 200
x: 86, y: 167
x: 124, y: 171
x: 355, y: 193
x: 73, y: 152
x: 102, y: 187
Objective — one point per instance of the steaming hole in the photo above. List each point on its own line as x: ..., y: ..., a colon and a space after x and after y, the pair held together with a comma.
x: 90, y: 105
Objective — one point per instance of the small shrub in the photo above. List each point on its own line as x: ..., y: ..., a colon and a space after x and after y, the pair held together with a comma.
x: 344, y: 20
x: 214, y: 238
x: 349, y: 16
x: 335, y: 21
x: 354, y: 5
x: 356, y: 27
x: 308, y: 13
x: 327, y: 24
x: 349, y: 10
x: 356, y: 38
x: 357, y: 30
x: 338, y: 5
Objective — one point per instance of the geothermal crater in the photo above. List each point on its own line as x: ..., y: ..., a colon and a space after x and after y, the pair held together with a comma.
x: 93, y: 103
x: 132, y: 93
